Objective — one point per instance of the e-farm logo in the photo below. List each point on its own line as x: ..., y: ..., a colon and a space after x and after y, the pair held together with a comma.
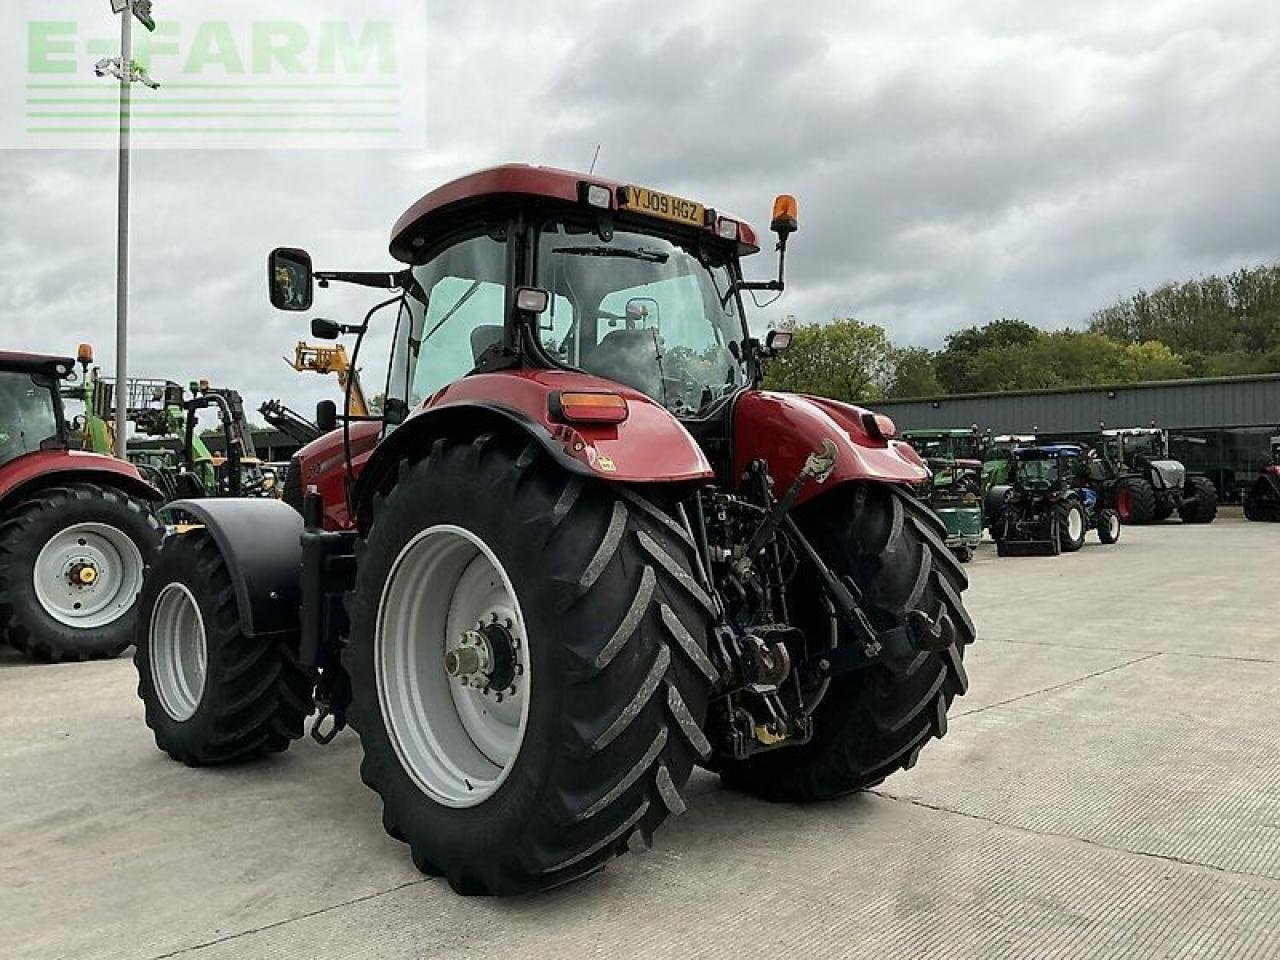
x: 217, y: 74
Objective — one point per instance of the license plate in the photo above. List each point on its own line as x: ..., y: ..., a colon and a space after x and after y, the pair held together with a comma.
x: 664, y: 205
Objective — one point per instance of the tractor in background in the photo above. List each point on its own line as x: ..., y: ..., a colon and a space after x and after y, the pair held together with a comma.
x: 1050, y: 505
x: 1150, y: 485
x: 162, y: 409
x: 77, y: 529
x: 578, y: 552
x: 997, y: 471
x: 1262, y: 501
x: 954, y: 492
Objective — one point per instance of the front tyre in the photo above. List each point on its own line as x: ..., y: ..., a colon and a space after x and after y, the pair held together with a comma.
x: 1072, y: 525
x: 212, y: 694
x: 1202, y: 506
x: 72, y: 561
x: 1108, y: 522
x: 528, y: 664
x: 875, y: 721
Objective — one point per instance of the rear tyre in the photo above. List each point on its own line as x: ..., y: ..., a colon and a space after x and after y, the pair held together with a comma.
x: 1262, y: 502
x: 1072, y: 525
x: 1203, y: 507
x: 72, y: 561
x: 1135, y: 500
x: 1108, y: 522
x: 600, y: 639
x: 212, y: 695
x: 876, y: 721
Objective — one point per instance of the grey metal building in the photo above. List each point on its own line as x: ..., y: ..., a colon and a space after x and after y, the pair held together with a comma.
x: 1221, y: 426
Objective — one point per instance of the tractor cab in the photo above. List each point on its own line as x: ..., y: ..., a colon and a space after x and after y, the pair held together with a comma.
x: 31, y: 417
x: 1055, y: 467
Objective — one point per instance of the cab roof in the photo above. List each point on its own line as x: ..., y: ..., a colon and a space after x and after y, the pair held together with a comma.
x: 33, y: 362
x: 445, y: 205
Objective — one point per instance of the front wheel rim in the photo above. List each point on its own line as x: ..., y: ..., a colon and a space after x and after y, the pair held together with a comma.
x: 456, y: 736
x: 1075, y: 524
x: 88, y: 575
x: 179, y: 651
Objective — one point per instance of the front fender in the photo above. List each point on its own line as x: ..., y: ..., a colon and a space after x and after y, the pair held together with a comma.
x: 783, y: 429
x: 261, y: 542
x: 49, y: 468
x: 650, y: 446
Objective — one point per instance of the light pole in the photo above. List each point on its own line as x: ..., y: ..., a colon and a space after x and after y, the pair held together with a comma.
x: 128, y: 72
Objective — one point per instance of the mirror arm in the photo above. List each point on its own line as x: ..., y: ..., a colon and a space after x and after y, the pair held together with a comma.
x: 381, y: 281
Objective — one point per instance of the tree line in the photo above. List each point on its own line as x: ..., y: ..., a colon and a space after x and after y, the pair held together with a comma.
x: 1208, y: 327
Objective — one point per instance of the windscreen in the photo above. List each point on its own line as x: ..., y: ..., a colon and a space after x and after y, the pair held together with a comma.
x: 27, y: 415
x: 643, y: 311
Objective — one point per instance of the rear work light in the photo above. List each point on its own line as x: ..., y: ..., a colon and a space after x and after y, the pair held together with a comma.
x: 880, y: 426
x: 597, y: 195
x: 727, y: 229
x: 588, y: 407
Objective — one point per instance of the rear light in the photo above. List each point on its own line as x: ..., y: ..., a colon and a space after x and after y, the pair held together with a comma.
x: 880, y: 426
x: 588, y: 407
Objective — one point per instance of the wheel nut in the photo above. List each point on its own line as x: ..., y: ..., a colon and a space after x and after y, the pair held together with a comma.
x: 462, y: 662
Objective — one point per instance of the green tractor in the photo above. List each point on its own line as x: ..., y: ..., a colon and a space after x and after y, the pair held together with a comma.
x: 162, y: 409
x: 998, y: 471
x: 955, y: 491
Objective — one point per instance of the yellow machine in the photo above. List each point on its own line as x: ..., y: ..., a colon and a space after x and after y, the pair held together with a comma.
x: 331, y: 360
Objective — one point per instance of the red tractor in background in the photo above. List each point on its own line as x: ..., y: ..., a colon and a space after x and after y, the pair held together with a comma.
x: 76, y: 528
x: 578, y: 553
x: 1262, y: 502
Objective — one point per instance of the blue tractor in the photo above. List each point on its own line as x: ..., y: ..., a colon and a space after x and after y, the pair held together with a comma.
x: 1052, y: 502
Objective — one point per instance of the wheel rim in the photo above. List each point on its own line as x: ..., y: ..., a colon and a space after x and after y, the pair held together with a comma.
x: 448, y: 603
x: 179, y: 651
x: 1113, y: 525
x: 1075, y: 524
x: 88, y: 575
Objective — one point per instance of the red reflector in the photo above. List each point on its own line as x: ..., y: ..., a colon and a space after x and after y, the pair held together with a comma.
x: 880, y: 426
x: 588, y: 407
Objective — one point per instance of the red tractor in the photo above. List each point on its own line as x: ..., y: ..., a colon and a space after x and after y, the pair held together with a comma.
x: 579, y: 553
x: 1262, y: 502
x: 76, y: 528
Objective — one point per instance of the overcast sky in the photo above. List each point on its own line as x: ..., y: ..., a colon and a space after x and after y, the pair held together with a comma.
x: 955, y: 162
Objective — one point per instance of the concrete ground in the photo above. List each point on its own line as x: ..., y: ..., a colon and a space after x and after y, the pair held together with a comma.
x: 1110, y: 787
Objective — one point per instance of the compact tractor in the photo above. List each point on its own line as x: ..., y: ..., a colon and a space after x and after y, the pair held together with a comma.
x: 955, y: 492
x: 1150, y: 485
x: 578, y: 552
x: 1051, y: 503
x: 76, y: 528
x: 1262, y: 502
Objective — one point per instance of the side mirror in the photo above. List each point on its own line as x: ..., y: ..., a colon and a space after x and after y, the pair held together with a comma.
x: 323, y: 329
x: 326, y: 416
x: 289, y: 279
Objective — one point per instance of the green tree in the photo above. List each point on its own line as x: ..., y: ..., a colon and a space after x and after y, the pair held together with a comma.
x: 914, y: 374
x: 958, y: 359
x: 844, y: 359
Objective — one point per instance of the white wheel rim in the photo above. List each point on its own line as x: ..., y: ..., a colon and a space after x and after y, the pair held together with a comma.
x: 179, y: 651
x: 1113, y: 524
x: 1075, y: 524
x: 88, y: 575
x: 458, y: 742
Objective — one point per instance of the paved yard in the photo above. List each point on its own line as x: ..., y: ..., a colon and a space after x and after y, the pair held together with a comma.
x: 1110, y: 787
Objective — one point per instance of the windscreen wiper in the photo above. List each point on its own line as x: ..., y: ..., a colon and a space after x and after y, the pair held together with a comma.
x: 650, y: 256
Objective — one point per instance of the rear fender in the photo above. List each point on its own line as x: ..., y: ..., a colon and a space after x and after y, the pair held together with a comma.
x: 650, y: 446
x: 261, y: 542
x: 783, y: 429
x: 50, y: 468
